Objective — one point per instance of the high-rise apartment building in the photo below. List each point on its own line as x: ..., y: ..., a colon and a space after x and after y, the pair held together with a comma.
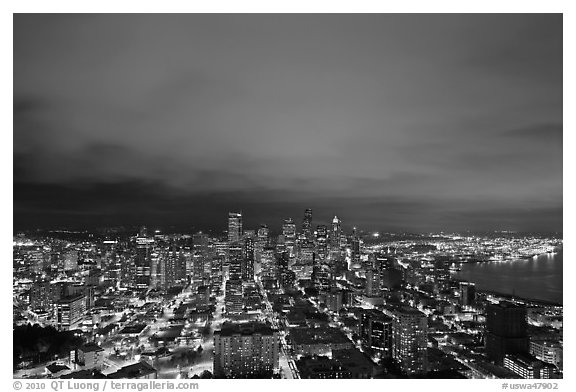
x: 372, y: 283
x: 409, y: 340
x: 175, y: 268
x: 248, y: 350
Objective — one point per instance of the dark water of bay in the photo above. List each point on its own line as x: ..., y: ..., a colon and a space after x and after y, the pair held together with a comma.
x: 536, y: 278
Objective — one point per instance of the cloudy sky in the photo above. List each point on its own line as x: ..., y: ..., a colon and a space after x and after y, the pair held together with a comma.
x: 393, y: 122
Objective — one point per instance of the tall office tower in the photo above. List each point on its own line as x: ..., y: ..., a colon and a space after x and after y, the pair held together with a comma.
x: 40, y: 298
x: 321, y: 276
x: 322, y: 242
x: 69, y: 311
x: 280, y: 244
x: 235, y: 253
x: 372, y: 283
x: 248, y: 350
x: 307, y: 224
x: 261, y: 242
x: 263, y: 237
x: 285, y: 275
x: 221, y: 249
x: 283, y: 260
x: 467, y: 293
x: 506, y: 330
x: 383, y: 262
x: 233, y: 296
x: 248, y: 260
x: 409, y: 340
x: 355, y: 242
x: 127, y: 266
x: 268, y: 267
x: 335, y: 239
x: 376, y: 332
x: 158, y: 260
x: 143, y: 260
x: 216, y: 272
x: 307, y: 254
x: 175, y: 271
x: 200, y: 254
x: 289, y: 233
x: 234, y: 226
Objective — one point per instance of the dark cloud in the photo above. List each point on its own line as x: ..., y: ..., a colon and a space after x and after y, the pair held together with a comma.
x: 399, y: 121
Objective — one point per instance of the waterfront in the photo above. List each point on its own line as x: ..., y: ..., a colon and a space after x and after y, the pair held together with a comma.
x: 536, y: 278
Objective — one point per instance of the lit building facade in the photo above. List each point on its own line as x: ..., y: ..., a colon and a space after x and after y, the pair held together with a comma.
x: 69, y: 311
x: 234, y: 226
x: 528, y: 367
x: 409, y: 340
x: 248, y: 350
x: 289, y: 233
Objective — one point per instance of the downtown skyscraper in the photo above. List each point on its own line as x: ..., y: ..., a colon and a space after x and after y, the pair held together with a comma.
x: 307, y: 224
x: 234, y: 226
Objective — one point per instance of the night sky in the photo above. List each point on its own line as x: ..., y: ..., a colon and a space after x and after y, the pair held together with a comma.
x: 392, y: 122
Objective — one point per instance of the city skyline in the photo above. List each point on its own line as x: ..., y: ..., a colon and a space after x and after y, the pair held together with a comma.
x: 392, y: 122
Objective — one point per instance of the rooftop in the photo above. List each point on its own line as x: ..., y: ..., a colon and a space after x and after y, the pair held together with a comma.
x: 91, y: 347
x: 229, y: 329
x: 136, y: 370
x: 317, y: 336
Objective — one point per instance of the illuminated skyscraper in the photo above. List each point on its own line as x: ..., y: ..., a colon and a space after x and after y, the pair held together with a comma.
x: 409, y: 340
x: 262, y: 241
x: 175, y: 270
x: 355, y: 249
x: 269, y: 268
x: 233, y: 296
x: 263, y: 235
x: 200, y: 250
x: 307, y: 254
x: 236, y: 261
x: 372, y: 283
x: 335, y: 238
x: 307, y: 224
x: 248, y: 260
x: 143, y: 260
x: 322, y: 242
x: 234, y: 226
x: 289, y: 232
